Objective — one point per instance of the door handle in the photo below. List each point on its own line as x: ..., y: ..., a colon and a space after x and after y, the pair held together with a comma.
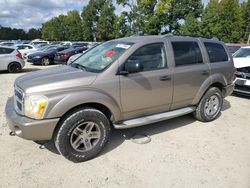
x: 205, y: 73
x: 165, y: 78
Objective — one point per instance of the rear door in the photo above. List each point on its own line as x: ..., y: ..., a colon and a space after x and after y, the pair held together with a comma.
x: 5, y: 57
x: 190, y: 70
x: 149, y: 91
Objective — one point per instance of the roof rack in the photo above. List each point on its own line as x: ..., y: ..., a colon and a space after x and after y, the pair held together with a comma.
x: 196, y: 36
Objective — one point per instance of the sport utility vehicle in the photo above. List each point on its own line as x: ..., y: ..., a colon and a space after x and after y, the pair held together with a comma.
x: 122, y: 83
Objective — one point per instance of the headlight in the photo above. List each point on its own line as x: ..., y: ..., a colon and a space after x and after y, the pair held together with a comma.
x: 35, y: 106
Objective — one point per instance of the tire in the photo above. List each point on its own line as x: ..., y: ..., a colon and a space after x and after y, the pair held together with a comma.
x: 14, y: 67
x: 82, y: 134
x: 45, y: 61
x: 210, y: 105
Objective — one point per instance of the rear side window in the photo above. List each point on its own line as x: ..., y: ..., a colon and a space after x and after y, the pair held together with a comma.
x: 6, y: 50
x: 187, y: 53
x: 216, y: 52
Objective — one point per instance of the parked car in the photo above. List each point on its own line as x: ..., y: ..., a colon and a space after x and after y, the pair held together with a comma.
x: 11, y: 59
x: 62, y: 57
x: 123, y: 83
x: 7, y: 44
x: 242, y: 63
x: 45, y: 57
x: 26, y: 48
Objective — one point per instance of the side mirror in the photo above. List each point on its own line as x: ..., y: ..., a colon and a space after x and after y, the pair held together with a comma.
x: 133, y: 66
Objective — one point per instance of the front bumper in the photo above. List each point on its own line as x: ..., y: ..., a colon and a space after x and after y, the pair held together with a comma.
x: 27, y: 128
x: 242, y: 86
x: 228, y: 90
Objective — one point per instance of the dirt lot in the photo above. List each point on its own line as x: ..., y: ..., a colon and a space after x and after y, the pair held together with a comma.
x: 183, y: 152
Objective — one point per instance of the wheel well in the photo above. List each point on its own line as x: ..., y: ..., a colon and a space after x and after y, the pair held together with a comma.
x: 218, y: 85
x: 105, y: 110
x: 13, y: 63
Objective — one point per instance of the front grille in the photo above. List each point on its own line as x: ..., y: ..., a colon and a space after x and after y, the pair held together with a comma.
x: 242, y: 88
x: 19, y: 98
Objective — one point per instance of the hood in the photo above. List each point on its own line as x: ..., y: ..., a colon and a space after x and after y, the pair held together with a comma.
x: 57, y: 78
x: 240, y: 62
x: 42, y: 53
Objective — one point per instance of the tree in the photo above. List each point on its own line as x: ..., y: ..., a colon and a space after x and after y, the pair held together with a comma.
x: 121, y: 26
x: 210, y: 22
x: 34, y: 34
x: 231, y: 22
x: 245, y: 12
x: 172, y: 12
x: 105, y: 23
x: 98, y: 20
x: 73, y: 26
x: 192, y: 26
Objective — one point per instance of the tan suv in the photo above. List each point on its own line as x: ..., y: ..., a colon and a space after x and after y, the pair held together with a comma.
x: 123, y: 83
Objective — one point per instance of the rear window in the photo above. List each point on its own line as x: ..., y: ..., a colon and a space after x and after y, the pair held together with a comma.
x: 216, y: 52
x: 187, y: 53
x: 6, y: 50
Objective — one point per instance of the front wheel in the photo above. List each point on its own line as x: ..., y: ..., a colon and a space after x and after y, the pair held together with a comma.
x: 210, y: 105
x: 45, y: 61
x: 82, y: 135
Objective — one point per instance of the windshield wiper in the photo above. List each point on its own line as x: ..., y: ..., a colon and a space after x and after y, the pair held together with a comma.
x: 79, y: 66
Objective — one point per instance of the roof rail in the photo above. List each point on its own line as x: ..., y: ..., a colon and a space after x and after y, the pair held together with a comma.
x: 196, y: 36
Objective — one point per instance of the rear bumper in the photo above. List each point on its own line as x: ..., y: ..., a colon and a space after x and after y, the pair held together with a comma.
x: 27, y: 128
x: 228, y: 90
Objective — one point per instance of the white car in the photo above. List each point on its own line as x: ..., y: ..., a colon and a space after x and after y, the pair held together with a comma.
x: 242, y: 64
x: 26, y: 48
x: 11, y: 59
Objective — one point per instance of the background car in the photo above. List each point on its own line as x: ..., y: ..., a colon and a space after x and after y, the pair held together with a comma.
x: 63, y: 56
x: 242, y: 64
x: 7, y: 43
x: 11, y: 59
x: 26, y: 48
x: 45, y: 57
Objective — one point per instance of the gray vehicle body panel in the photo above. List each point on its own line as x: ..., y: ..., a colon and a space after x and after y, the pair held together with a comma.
x: 129, y: 96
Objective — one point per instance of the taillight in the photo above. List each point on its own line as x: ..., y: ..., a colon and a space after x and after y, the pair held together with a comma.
x: 66, y: 56
x: 19, y: 55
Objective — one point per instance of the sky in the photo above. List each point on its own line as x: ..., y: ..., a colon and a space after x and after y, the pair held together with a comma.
x: 26, y: 14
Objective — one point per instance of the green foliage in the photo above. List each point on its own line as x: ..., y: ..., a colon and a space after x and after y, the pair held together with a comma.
x: 228, y: 20
x: 7, y: 33
x: 99, y: 20
x: 192, y: 26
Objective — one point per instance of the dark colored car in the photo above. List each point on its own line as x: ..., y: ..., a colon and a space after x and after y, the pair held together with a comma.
x: 45, y: 57
x: 63, y: 56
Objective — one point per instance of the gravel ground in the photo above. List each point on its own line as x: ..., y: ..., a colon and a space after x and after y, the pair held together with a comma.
x: 183, y: 152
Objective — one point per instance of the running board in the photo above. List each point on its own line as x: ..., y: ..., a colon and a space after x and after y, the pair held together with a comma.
x: 153, y: 118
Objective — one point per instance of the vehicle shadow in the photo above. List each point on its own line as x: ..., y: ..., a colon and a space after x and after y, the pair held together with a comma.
x: 226, y: 105
x: 25, y: 70
x: 119, y: 136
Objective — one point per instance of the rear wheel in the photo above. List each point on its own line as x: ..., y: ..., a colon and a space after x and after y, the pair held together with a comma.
x: 82, y: 134
x: 210, y: 105
x: 45, y: 61
x: 14, y: 67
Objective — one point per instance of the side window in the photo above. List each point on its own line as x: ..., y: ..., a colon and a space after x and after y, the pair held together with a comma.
x: 6, y: 50
x: 152, y: 56
x: 1, y: 51
x: 187, y: 53
x: 216, y: 52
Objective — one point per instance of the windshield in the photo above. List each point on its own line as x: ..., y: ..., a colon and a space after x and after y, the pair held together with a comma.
x: 100, y: 57
x: 243, y: 52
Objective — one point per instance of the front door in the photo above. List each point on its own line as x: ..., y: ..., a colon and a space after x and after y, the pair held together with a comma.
x: 149, y: 91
